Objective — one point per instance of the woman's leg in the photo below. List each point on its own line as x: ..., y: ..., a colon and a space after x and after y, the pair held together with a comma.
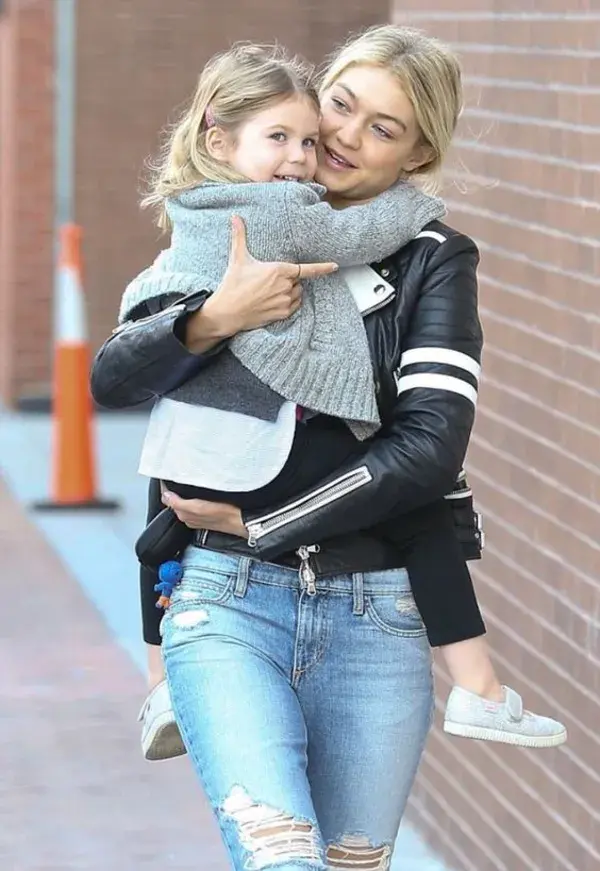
x: 229, y: 640
x: 366, y: 689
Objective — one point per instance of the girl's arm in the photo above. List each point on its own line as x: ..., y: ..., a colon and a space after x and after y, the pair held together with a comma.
x: 362, y: 234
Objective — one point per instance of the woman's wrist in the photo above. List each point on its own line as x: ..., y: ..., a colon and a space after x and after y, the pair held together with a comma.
x: 207, y: 327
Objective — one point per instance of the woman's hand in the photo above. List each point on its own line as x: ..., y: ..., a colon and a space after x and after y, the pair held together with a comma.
x: 251, y: 294
x: 201, y: 514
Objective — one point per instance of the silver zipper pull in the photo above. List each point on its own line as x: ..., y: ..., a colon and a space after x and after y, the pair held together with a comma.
x: 253, y: 533
x: 307, y: 575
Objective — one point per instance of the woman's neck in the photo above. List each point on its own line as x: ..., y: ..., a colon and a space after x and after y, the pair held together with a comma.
x: 341, y: 202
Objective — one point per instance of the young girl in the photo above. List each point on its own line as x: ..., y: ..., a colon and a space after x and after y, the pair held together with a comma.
x: 236, y: 431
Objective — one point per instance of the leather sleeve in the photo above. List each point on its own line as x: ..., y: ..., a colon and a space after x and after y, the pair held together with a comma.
x: 417, y: 456
x: 145, y: 357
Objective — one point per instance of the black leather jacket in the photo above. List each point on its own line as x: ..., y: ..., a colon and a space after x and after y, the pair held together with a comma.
x: 425, y: 335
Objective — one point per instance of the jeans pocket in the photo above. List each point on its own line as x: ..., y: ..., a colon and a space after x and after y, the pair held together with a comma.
x: 199, y: 588
x: 396, y: 614
x: 203, y: 585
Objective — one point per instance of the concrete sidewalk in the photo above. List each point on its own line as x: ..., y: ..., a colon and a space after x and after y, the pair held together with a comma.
x: 74, y: 792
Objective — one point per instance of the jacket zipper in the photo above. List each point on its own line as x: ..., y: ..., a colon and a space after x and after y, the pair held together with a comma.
x: 330, y: 493
x: 306, y: 571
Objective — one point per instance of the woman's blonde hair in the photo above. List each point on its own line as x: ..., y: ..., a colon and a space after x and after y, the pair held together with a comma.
x: 232, y: 87
x: 428, y: 72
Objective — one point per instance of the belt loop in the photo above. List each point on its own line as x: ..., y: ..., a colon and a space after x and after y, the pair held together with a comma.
x: 241, y: 582
x: 358, y: 594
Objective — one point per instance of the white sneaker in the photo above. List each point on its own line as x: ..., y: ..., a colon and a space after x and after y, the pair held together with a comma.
x: 472, y: 716
x: 161, y: 738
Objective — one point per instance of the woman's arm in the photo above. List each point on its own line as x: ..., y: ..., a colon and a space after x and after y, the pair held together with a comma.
x: 418, y: 455
x: 165, y: 346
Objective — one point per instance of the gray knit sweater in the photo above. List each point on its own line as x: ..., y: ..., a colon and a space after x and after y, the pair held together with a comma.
x: 318, y: 358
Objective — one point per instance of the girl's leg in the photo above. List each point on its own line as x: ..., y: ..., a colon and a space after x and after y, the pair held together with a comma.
x: 156, y: 666
x: 366, y: 690
x: 229, y: 641
x: 160, y: 734
x: 470, y: 667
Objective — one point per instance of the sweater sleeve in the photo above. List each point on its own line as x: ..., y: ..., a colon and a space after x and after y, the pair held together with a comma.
x: 358, y: 235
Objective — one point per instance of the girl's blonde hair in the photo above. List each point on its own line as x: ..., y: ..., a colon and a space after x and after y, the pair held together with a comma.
x: 428, y: 72
x: 232, y: 87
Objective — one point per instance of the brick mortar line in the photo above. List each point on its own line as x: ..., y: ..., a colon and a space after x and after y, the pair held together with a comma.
x: 484, y: 815
x: 487, y: 411
x: 543, y: 266
x: 538, y: 51
x: 534, y: 759
x: 566, y: 826
x: 511, y: 390
x: 527, y: 226
x: 513, y: 637
x: 459, y: 820
x: 502, y: 592
x: 530, y: 85
x: 532, y: 120
x: 552, y: 557
x: 535, y: 193
x: 532, y: 507
x: 535, y: 367
x: 537, y: 299
x: 560, y: 17
x: 592, y: 356
x: 523, y: 154
x: 502, y: 628
x: 446, y: 838
x: 552, y: 483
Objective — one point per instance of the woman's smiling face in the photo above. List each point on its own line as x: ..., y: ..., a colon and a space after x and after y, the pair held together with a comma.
x: 369, y: 135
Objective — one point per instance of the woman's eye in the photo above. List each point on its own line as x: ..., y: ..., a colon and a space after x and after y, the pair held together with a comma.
x: 339, y: 104
x: 381, y: 131
x: 278, y: 137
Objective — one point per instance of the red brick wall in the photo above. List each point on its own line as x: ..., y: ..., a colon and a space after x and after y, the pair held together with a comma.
x: 529, y: 146
x: 26, y: 200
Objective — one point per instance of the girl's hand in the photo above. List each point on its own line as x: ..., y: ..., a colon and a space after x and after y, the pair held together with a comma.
x: 251, y: 294
x: 201, y: 514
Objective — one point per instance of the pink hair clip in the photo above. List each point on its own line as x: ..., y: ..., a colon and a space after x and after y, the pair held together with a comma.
x: 209, y: 118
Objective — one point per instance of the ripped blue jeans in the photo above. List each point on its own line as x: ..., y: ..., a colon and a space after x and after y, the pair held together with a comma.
x: 305, y: 714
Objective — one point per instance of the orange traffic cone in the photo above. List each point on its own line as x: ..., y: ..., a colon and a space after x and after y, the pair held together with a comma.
x: 73, y: 483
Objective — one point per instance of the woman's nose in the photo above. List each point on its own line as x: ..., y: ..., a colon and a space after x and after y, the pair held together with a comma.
x: 349, y: 134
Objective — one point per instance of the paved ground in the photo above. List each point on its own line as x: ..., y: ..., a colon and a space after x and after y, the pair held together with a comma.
x: 74, y: 791
x: 75, y: 794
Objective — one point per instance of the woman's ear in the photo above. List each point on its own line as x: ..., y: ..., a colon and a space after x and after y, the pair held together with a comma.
x: 218, y: 144
x: 421, y: 155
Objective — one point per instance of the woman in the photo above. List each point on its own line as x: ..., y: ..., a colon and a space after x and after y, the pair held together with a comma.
x: 298, y: 664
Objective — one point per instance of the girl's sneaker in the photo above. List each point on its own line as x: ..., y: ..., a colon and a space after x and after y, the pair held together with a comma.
x: 161, y: 738
x: 472, y: 716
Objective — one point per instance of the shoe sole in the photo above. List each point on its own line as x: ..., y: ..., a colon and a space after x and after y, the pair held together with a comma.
x: 164, y: 742
x: 481, y: 734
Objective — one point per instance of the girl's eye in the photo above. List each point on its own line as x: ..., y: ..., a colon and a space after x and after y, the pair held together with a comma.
x: 278, y: 137
x: 339, y: 104
x: 310, y: 143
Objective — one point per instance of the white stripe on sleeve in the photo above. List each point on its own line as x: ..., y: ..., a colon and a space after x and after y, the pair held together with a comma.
x: 437, y: 382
